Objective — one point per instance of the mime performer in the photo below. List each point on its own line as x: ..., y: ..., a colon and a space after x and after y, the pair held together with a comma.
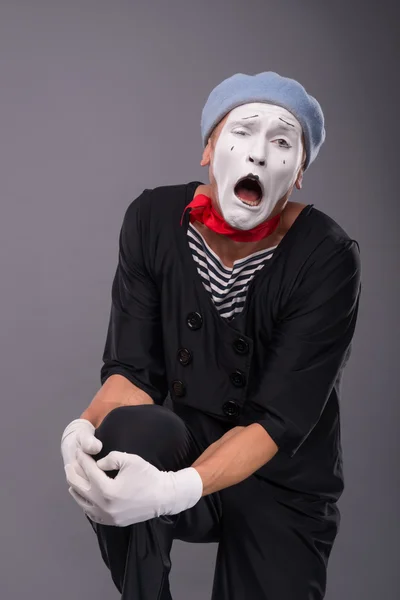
x: 232, y: 318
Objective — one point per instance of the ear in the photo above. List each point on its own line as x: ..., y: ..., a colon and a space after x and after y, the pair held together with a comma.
x: 299, y: 180
x: 206, y: 158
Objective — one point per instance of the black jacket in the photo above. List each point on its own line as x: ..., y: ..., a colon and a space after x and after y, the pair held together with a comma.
x: 278, y: 363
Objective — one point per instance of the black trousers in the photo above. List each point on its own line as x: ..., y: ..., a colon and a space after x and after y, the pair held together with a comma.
x: 268, y: 548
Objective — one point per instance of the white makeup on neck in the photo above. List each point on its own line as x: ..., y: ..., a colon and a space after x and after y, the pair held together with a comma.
x: 262, y: 141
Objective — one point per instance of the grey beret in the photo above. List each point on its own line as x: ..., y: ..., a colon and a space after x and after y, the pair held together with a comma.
x: 271, y: 88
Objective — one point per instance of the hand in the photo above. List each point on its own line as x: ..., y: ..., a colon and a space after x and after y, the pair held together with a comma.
x: 79, y: 434
x: 139, y: 492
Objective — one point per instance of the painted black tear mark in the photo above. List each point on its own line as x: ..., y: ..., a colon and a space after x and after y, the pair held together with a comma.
x: 291, y: 124
x: 232, y: 148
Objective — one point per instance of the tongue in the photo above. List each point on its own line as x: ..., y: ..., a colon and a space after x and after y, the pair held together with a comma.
x: 246, y: 194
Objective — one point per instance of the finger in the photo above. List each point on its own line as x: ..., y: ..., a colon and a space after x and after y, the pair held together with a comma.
x: 89, y: 444
x: 73, y: 463
x: 75, y: 480
x: 90, y: 510
x: 78, y: 469
x: 83, y: 503
x: 96, y: 518
x: 95, y: 475
x: 113, y: 461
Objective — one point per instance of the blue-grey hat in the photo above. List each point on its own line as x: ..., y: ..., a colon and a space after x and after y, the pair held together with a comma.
x: 271, y: 88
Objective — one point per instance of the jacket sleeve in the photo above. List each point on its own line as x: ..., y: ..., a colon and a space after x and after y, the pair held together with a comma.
x: 310, y: 345
x: 134, y: 345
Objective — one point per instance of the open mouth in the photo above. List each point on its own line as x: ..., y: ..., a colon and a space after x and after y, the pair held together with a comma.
x: 248, y: 189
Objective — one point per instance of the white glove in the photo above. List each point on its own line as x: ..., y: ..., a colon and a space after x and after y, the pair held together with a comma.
x: 139, y: 492
x: 79, y: 434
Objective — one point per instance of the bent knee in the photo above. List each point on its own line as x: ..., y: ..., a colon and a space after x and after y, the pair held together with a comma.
x: 153, y: 432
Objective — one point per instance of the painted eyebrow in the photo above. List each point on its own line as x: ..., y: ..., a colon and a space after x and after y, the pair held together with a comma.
x: 287, y: 127
x: 291, y: 124
x: 254, y: 116
x: 240, y: 121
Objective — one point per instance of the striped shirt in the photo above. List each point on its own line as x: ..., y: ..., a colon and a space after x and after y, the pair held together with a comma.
x: 227, y: 286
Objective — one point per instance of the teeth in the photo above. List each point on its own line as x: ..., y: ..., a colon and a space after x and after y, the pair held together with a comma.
x: 255, y: 203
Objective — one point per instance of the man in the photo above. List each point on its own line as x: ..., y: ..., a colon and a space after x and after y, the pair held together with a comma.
x: 241, y: 305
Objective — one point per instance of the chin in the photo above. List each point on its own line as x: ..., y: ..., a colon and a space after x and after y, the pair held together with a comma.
x: 242, y: 223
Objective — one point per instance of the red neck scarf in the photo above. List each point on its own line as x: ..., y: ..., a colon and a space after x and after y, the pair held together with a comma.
x: 203, y: 211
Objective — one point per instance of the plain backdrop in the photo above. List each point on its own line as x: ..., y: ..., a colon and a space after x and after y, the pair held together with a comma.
x: 101, y: 99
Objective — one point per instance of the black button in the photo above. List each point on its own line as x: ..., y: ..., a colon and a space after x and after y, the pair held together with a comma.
x: 238, y: 378
x: 241, y: 346
x: 194, y: 320
x: 184, y: 356
x: 178, y: 388
x: 231, y: 408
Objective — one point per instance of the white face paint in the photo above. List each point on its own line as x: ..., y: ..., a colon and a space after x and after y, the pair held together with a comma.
x: 260, y: 140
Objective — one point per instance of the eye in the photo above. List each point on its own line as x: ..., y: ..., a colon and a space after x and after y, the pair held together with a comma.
x: 240, y: 132
x: 282, y: 140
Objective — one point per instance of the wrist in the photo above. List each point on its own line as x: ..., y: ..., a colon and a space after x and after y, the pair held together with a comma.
x: 74, y: 425
x: 186, y: 490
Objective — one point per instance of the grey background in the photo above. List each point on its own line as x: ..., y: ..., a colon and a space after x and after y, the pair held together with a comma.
x: 99, y: 100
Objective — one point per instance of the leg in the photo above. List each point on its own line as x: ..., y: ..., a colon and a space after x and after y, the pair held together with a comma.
x: 272, y: 546
x: 138, y: 556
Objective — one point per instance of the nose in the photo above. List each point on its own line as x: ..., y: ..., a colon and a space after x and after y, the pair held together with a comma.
x: 256, y: 160
x: 257, y: 153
